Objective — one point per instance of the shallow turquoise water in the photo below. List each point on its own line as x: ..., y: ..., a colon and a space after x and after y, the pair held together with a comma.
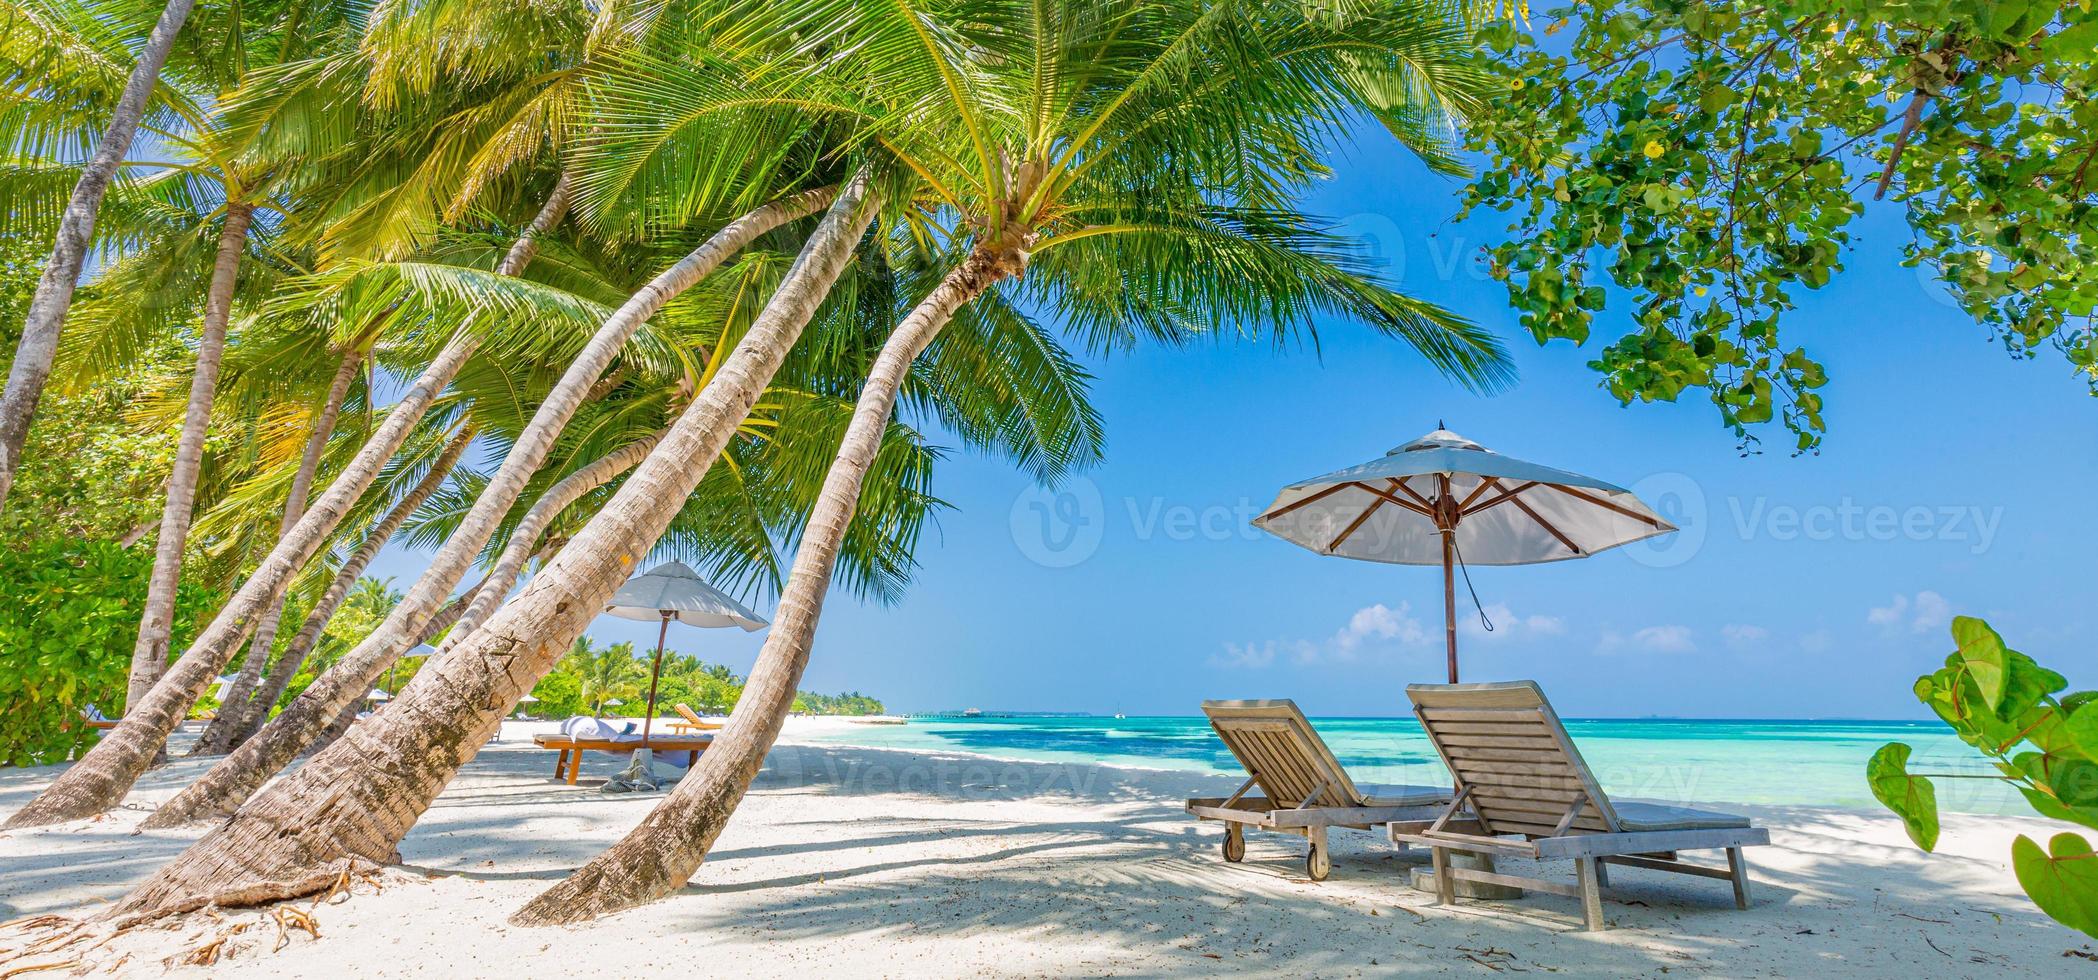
x: 1813, y: 763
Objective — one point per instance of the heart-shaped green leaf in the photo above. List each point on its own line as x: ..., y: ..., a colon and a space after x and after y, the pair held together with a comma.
x: 2062, y: 880
x: 1912, y: 798
x: 2082, y: 725
x: 1981, y: 652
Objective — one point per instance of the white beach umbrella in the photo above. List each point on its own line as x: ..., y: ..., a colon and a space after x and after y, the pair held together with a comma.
x: 1445, y: 500
x: 674, y: 592
x: 378, y: 694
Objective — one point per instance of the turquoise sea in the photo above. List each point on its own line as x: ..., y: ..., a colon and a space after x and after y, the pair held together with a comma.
x: 1811, y: 763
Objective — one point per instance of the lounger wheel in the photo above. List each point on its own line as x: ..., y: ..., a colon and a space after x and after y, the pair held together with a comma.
x: 1318, y: 863
x: 1234, y: 843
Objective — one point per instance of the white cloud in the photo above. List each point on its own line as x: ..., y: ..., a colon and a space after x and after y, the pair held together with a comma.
x: 1664, y: 639
x: 1743, y: 636
x: 1926, y: 612
x: 1378, y: 622
x: 1932, y: 612
x: 1367, y: 629
x: 1507, y: 625
x: 1251, y: 656
x: 1652, y: 639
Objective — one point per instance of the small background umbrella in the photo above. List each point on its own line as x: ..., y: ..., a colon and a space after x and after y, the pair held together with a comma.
x: 1444, y: 499
x: 674, y: 592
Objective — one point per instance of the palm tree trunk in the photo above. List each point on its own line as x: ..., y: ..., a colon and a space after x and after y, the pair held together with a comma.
x: 149, y: 655
x: 343, y: 684
x: 100, y: 778
x: 257, y: 709
x: 525, y: 538
x: 231, y: 725
x: 358, y: 798
x: 659, y: 855
x: 76, y: 231
x: 229, y: 783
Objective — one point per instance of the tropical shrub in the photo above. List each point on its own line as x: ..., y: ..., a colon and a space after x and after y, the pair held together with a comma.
x: 2041, y: 741
x: 69, y: 613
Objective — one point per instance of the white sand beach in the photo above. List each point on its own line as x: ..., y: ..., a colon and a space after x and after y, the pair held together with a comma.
x: 882, y: 863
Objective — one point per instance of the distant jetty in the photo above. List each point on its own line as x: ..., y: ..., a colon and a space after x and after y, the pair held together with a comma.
x: 973, y: 713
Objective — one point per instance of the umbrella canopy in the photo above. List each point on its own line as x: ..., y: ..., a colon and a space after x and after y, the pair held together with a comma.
x: 673, y: 591
x: 1444, y: 500
x: 378, y: 694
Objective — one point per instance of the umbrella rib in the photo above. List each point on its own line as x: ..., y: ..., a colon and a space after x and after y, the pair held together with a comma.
x: 1606, y: 505
x: 1357, y: 523
x: 1484, y: 485
x: 1547, y: 525
x: 1503, y: 498
x: 1312, y: 499
x: 1389, y: 499
x: 1415, y: 494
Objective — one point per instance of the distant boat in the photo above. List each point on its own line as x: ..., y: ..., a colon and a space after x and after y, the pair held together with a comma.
x: 972, y: 713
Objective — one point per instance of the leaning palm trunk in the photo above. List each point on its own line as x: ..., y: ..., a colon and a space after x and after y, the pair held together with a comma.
x: 230, y: 725
x: 356, y: 799
x: 256, y: 709
x: 525, y: 538
x: 149, y: 655
x: 76, y: 230
x: 101, y: 778
x: 229, y: 784
x: 671, y: 842
x: 444, y: 618
x: 296, y: 727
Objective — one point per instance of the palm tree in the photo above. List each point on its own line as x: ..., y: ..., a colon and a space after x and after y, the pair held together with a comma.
x: 608, y: 674
x: 244, y: 717
x: 1094, y: 174
x: 30, y: 25
x: 100, y: 778
x: 1080, y: 159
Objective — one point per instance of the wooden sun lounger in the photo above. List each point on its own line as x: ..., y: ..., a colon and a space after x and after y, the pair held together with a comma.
x: 1306, y: 790
x: 692, y: 721
x: 571, y: 749
x: 1524, y: 791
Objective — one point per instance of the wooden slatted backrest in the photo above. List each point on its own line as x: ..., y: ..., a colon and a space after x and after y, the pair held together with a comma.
x: 1282, y: 752
x: 1505, y: 744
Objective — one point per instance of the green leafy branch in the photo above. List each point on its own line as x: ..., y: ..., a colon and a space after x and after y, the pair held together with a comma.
x: 2011, y: 710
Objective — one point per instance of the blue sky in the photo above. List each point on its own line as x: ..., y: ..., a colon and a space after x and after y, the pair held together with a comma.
x: 1954, y: 480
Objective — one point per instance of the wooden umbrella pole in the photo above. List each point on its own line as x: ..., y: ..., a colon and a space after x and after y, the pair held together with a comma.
x: 648, y: 722
x: 1446, y: 522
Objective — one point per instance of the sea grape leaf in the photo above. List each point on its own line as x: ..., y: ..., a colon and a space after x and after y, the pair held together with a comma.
x: 2025, y: 685
x: 2074, y: 782
x: 1912, y: 798
x: 2062, y: 880
x: 2048, y: 806
x: 2081, y: 726
x: 2048, y: 728
x: 1981, y: 652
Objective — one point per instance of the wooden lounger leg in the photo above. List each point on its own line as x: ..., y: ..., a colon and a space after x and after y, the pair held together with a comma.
x: 1318, y: 860
x: 575, y: 764
x: 691, y: 759
x: 1445, y: 888
x: 560, y: 764
x: 1602, y: 873
x: 1591, y: 894
x: 1739, y: 866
